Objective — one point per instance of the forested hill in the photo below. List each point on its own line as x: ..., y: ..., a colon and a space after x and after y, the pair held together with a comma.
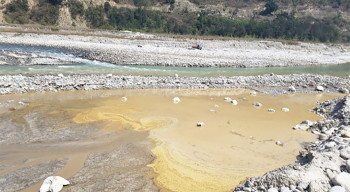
x: 309, y: 20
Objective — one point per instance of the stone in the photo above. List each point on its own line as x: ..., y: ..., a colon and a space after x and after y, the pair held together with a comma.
x: 345, y: 153
x: 347, y: 164
x: 343, y: 90
x: 271, y: 110
x: 227, y: 99
x: 109, y: 75
x: 176, y: 75
x: 301, y: 127
x: 257, y: 104
x: 285, y: 189
x: 337, y: 189
x: 272, y: 190
x: 176, y: 100
x: 200, y: 124
x: 345, y: 134
x: 322, y: 137
x: 292, y: 89
x: 280, y: 143
x: 329, y: 145
x: 284, y: 109
x: 319, y: 88
x: 253, y: 93
x: 234, y: 102
x: 124, y: 99
x: 342, y: 179
x: 53, y: 184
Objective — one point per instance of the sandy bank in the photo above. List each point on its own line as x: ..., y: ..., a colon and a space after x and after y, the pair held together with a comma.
x: 142, y: 49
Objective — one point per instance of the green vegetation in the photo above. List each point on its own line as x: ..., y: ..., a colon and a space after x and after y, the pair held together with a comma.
x: 281, y: 26
x: 17, y: 12
x: 46, y: 13
x: 270, y: 7
x: 75, y: 8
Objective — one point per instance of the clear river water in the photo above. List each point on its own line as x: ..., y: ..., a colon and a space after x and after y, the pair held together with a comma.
x: 85, y: 66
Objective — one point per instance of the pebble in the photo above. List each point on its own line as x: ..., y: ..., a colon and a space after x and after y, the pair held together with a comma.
x: 347, y: 164
x: 227, y: 99
x: 176, y: 100
x: 285, y: 109
x: 343, y: 90
x: 280, y: 143
x: 292, y: 89
x: 337, y: 189
x: 234, y: 102
x: 124, y: 99
x: 345, y: 153
x: 331, y: 144
x: 200, y: 124
x: 319, y: 88
x: 272, y: 190
x: 342, y: 179
x: 253, y: 93
x: 271, y: 110
x: 257, y: 104
x: 323, y: 137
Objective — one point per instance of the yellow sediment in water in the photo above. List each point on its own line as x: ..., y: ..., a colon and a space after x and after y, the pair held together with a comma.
x: 235, y: 142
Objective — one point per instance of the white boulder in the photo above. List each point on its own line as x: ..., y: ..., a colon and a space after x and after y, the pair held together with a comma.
x: 257, y: 104
x: 342, y: 179
x: 124, y: 99
x: 271, y: 110
x: 234, y: 102
x: 176, y: 100
x: 284, y: 109
x: 337, y: 189
x: 319, y: 88
x: 53, y: 184
x: 200, y: 124
x: 227, y: 99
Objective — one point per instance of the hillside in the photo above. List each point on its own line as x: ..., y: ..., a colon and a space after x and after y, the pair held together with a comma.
x: 312, y: 20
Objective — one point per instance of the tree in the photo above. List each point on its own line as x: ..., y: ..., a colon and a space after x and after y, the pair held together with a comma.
x: 107, y: 6
x: 270, y: 7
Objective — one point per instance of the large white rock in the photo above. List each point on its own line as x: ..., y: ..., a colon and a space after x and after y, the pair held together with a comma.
x: 319, y: 88
x: 342, y: 179
x: 348, y: 165
x: 257, y: 104
x: 234, y: 102
x: 124, y: 99
x: 228, y: 99
x: 337, y: 189
x: 53, y: 184
x: 272, y: 190
x: 285, y: 109
x: 176, y: 100
x: 291, y: 89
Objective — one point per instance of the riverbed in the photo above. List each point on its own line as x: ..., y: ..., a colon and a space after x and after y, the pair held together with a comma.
x: 68, y: 133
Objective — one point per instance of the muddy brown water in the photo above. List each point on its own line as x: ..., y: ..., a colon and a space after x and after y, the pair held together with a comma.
x: 235, y: 142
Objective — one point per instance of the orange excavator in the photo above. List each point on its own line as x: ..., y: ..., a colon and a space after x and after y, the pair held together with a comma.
x: 197, y: 47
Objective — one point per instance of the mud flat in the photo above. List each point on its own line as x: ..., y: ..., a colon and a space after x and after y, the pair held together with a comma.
x: 127, y: 48
x: 99, y: 141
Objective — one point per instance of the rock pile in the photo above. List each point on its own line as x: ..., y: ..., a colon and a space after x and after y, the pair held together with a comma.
x: 323, y: 165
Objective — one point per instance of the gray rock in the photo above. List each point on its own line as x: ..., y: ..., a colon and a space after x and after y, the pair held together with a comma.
x: 337, y: 189
x: 345, y: 153
x: 257, y: 104
x: 343, y: 90
x: 285, y: 189
x: 271, y: 110
x: 329, y: 145
x: 279, y: 143
x: 322, y: 137
x: 342, y: 179
x: 347, y: 164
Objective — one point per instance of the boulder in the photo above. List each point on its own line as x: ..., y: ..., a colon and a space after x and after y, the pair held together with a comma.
x: 272, y: 189
x: 53, y: 184
x: 345, y: 153
x: 124, y: 99
x: 343, y: 90
x: 319, y: 88
x: 292, y: 89
x: 253, y: 93
x: 347, y: 164
x: 342, y: 179
x: 227, y: 99
x: 234, y: 102
x: 337, y: 189
x: 280, y: 143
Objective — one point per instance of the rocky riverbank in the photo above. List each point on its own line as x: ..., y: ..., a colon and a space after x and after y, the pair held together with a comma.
x: 270, y: 84
x: 127, y: 48
x: 323, y: 165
